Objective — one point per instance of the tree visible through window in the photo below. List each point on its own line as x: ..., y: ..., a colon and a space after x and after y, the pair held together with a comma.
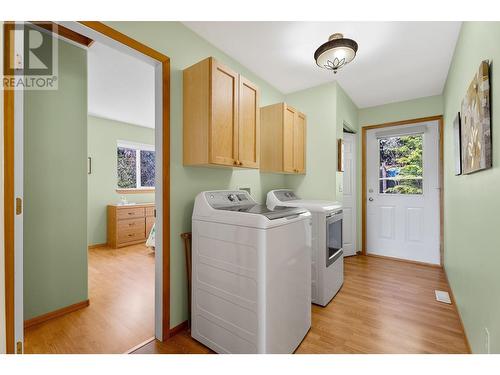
x: 401, y: 165
x: 135, y: 166
x: 147, y: 168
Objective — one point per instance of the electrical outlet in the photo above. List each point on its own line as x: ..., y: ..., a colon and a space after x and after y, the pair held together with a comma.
x: 247, y: 189
x: 486, y: 340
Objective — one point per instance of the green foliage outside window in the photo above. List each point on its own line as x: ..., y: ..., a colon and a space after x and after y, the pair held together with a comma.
x: 401, y: 165
x: 126, y: 168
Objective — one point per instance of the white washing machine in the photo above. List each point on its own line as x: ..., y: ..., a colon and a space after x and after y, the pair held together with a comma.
x: 327, y: 268
x: 251, y: 274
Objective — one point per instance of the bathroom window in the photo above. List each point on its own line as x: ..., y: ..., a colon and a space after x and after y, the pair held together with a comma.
x: 135, y: 165
x: 401, y: 166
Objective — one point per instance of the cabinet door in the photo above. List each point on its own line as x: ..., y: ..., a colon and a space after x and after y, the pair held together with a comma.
x: 299, y: 143
x: 249, y: 125
x: 288, y: 135
x: 224, y: 119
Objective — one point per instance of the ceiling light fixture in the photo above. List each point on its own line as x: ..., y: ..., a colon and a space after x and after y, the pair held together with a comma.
x: 336, y: 53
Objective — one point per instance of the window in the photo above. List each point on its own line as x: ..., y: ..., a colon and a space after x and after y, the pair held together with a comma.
x: 401, y: 166
x: 135, y: 165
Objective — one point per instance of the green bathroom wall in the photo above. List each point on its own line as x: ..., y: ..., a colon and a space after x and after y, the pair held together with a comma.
x: 103, y: 135
x: 185, y: 48
x: 55, y: 189
x: 472, y: 204
x: 392, y: 112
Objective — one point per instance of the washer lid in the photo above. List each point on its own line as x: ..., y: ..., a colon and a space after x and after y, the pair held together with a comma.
x: 263, y: 210
x: 237, y: 208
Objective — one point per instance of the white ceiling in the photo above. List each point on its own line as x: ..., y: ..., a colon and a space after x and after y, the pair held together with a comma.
x: 396, y: 61
x: 120, y: 86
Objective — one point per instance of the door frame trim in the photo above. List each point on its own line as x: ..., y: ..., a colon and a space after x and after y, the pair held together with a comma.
x: 8, y: 197
x: 364, y: 129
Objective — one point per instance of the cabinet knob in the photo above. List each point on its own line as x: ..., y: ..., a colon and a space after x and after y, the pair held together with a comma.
x: 240, y: 163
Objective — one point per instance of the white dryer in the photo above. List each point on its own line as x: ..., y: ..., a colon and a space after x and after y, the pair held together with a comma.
x: 251, y: 274
x: 327, y: 268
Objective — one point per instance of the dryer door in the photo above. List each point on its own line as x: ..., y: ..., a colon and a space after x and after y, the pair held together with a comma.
x: 333, y: 237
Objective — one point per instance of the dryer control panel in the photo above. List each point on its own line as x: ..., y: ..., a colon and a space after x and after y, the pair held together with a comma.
x: 285, y: 195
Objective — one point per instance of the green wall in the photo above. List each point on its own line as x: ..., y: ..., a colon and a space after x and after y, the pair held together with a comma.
x: 346, y: 112
x: 185, y: 48
x: 103, y: 135
x: 55, y: 189
x: 399, y: 111
x: 405, y: 110
x: 319, y: 104
x: 472, y: 203
x: 327, y: 108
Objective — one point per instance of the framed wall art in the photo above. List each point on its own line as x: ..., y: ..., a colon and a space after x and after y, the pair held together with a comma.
x: 476, y: 123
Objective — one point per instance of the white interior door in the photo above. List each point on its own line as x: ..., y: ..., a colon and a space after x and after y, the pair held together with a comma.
x: 349, y: 195
x: 403, y: 192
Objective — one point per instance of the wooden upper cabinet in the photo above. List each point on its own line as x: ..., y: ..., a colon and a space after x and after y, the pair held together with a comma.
x: 224, y: 121
x: 221, y: 117
x: 249, y: 124
x: 283, y: 139
x: 299, y: 143
x: 288, y: 136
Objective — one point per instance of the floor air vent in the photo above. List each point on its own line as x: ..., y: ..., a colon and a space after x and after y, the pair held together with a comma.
x: 443, y: 296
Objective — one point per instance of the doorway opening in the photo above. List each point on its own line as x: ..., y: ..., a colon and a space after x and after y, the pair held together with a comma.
x: 402, y: 166
x: 77, y: 32
x: 350, y: 193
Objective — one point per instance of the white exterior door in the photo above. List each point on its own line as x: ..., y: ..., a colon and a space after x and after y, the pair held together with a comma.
x: 349, y: 195
x: 403, y: 192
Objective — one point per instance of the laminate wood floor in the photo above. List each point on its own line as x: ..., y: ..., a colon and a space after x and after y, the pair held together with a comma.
x: 121, y: 311
x: 385, y: 306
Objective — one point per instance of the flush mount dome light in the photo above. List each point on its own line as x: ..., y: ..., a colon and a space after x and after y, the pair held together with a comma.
x: 336, y: 53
